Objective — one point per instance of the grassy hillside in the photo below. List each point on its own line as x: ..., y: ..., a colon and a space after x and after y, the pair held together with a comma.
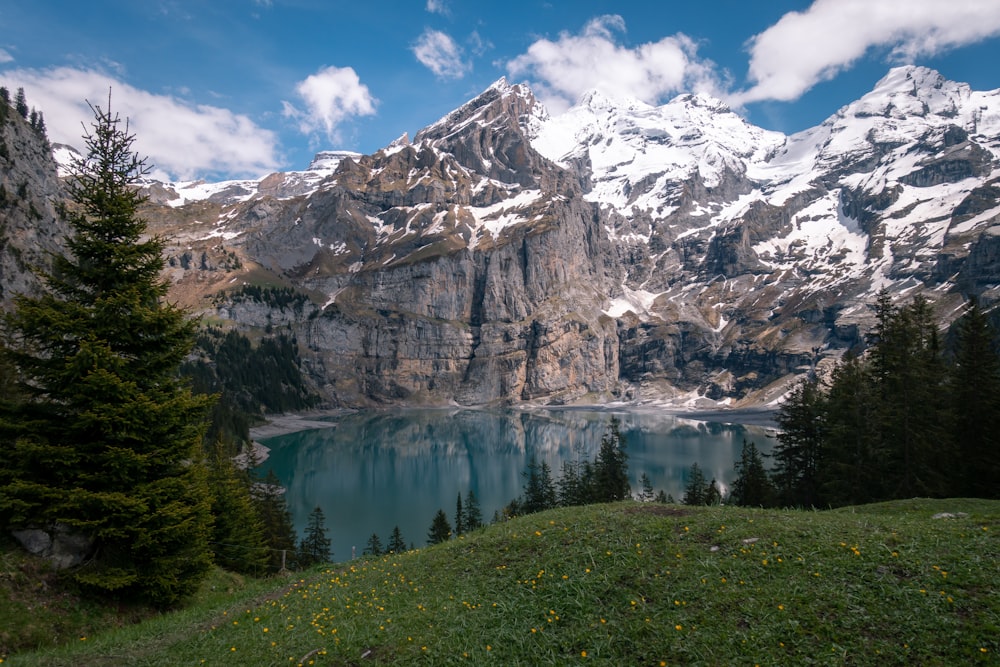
x: 623, y: 584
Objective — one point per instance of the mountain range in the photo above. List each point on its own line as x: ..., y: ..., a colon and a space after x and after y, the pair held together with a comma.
x: 619, y: 252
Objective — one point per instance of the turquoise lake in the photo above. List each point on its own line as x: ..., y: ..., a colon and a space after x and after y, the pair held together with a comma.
x: 372, y: 471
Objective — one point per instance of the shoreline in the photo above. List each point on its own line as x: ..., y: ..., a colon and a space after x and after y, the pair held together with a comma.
x: 284, y: 424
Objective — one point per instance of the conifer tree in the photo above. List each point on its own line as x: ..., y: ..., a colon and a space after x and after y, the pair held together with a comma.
x: 798, y: 452
x: 713, y: 496
x: 611, y: 466
x: 696, y: 489
x: 397, y: 544
x: 237, y: 530
x: 315, y: 545
x: 374, y: 546
x: 647, y: 494
x: 21, y: 103
x: 459, y: 516
x: 107, y: 438
x: 975, y: 405
x: 752, y: 486
x: 853, y: 459
x: 440, y: 530
x: 473, y: 515
x: 279, y: 533
x: 539, y: 489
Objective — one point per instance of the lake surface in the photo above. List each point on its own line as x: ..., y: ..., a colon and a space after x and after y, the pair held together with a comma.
x: 372, y: 471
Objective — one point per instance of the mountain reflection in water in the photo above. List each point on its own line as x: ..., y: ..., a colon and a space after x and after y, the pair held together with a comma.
x: 372, y: 471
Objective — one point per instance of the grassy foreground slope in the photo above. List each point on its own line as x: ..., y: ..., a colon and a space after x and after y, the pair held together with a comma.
x: 622, y: 584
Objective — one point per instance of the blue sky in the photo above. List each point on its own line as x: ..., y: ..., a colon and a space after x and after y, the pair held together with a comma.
x: 230, y: 88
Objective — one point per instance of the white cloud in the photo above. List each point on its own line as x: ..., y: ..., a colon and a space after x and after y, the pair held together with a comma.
x: 5, y: 56
x: 440, y: 54
x: 561, y: 71
x: 437, y: 6
x: 181, y: 140
x: 331, y: 95
x: 804, y: 48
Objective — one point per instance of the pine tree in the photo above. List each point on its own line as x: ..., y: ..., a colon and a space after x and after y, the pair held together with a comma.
x: 107, y: 441
x: 237, y: 531
x: 852, y: 456
x: 798, y: 452
x: 539, y: 489
x: 713, y: 496
x: 315, y: 545
x: 459, y: 516
x: 696, y: 489
x: 440, y: 529
x: 611, y: 466
x: 752, y: 487
x: 279, y: 533
x: 397, y: 544
x: 21, y: 103
x: 975, y: 405
x: 374, y: 546
x: 473, y: 515
x: 647, y: 494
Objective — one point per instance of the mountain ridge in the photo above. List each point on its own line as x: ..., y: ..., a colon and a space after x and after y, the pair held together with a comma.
x: 618, y: 252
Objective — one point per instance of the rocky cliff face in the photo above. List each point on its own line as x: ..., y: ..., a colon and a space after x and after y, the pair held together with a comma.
x: 29, y: 192
x: 617, y: 252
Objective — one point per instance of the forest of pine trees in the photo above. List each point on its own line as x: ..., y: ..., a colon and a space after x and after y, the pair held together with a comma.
x: 912, y: 417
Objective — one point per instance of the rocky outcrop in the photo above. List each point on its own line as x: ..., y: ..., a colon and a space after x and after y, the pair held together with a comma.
x: 30, y: 228
x: 619, y: 251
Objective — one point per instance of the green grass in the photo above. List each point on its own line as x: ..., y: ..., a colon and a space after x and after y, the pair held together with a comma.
x: 623, y: 584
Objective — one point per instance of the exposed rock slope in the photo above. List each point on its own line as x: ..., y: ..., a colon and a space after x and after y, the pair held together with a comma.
x: 619, y: 251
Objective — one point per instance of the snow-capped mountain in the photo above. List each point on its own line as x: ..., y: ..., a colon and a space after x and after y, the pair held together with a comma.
x: 619, y: 251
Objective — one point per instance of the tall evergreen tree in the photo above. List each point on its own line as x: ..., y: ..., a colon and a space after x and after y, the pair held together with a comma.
x: 647, y: 494
x: 397, y: 544
x: 21, y: 103
x: 279, y: 533
x: 611, y: 466
x: 975, y: 405
x: 853, y: 456
x: 459, y: 516
x: 440, y: 530
x: 797, y: 454
x: 374, y: 546
x: 315, y: 545
x: 539, y: 489
x: 238, y: 539
x: 910, y: 377
x: 752, y: 486
x: 107, y: 439
x: 473, y: 514
x: 696, y: 489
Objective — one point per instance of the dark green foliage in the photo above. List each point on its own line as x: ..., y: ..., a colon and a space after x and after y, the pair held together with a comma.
x: 279, y: 534
x: 903, y: 421
x: 605, y: 479
x: 374, y: 546
x: 752, y: 486
x: 397, y: 544
x: 539, y: 489
x: 696, y: 489
x: 279, y: 298
x: 315, y: 545
x: 974, y: 385
x: 459, y: 516
x: 611, y: 466
x: 238, y: 538
x: 797, y: 455
x: 472, y: 515
x: 250, y: 381
x: 713, y: 496
x: 440, y: 530
x: 647, y: 494
x: 21, y: 103
x: 852, y: 450
x: 107, y: 440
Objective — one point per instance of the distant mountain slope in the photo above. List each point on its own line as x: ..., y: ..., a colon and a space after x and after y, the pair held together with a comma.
x: 619, y: 251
